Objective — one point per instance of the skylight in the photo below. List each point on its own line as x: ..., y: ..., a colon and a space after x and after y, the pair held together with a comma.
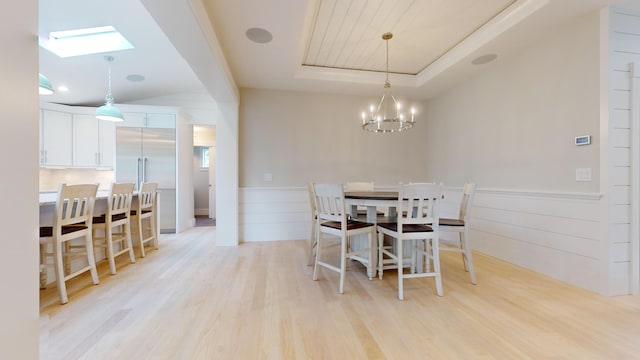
x: 85, y: 41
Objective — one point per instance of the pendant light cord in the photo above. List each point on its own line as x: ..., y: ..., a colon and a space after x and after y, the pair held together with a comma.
x: 109, y: 97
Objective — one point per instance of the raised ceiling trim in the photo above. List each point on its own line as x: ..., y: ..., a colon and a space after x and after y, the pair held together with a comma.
x: 506, y: 19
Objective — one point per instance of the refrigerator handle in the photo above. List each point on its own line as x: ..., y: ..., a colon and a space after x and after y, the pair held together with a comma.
x: 144, y: 169
x: 138, y: 177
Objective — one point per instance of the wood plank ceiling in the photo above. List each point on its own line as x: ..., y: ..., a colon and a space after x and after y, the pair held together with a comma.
x: 348, y: 34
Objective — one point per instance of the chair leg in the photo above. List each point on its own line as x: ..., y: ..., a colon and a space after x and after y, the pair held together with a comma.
x: 343, y: 262
x: 462, y: 247
x: 91, y: 260
x: 413, y: 264
x: 435, y: 248
x: 427, y: 256
x: 140, y: 234
x: 58, y: 266
x: 109, y: 238
x: 371, y: 268
x: 152, y: 221
x: 315, y: 266
x: 468, y: 257
x: 380, y: 257
x: 127, y: 230
x: 43, y: 266
x: 67, y: 264
x: 312, y: 244
x: 399, y: 260
x: 419, y: 250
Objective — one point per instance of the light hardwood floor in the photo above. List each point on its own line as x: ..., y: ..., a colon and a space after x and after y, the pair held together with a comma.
x: 193, y: 300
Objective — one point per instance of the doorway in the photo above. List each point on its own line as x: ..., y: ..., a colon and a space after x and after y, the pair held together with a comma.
x: 204, y: 175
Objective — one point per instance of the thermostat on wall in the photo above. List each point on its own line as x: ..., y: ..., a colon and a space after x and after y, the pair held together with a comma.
x: 583, y: 140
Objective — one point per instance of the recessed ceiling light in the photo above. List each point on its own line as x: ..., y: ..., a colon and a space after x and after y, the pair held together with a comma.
x: 135, y: 77
x: 481, y: 60
x: 259, y: 35
x: 85, y: 41
x: 63, y: 88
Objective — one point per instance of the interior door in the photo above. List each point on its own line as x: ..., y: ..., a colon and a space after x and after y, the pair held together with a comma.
x: 212, y: 182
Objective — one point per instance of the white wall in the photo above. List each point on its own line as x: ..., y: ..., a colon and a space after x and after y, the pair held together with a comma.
x: 300, y: 137
x: 227, y: 158
x: 184, y: 172
x: 198, y: 107
x: 514, y: 125
x: 19, y: 161
x: 511, y: 130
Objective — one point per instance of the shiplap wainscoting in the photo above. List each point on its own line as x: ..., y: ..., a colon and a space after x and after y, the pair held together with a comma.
x: 283, y: 213
x: 276, y: 213
x: 553, y: 233
x: 624, y: 51
x: 557, y: 234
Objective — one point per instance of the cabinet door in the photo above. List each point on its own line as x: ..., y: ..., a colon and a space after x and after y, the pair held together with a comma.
x: 86, y: 150
x: 133, y: 119
x: 57, y: 138
x: 107, y: 132
x: 161, y: 121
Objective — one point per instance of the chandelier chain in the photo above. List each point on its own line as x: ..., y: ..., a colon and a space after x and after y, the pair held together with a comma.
x: 387, y: 42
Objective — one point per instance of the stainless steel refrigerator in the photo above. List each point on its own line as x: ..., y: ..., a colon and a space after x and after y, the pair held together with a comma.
x: 149, y: 155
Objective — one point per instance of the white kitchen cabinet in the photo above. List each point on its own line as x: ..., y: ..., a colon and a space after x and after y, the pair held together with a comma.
x: 56, y: 141
x: 148, y: 120
x: 94, y: 142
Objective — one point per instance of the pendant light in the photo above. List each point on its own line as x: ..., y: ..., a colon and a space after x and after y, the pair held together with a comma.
x: 108, y: 111
x: 44, y: 85
x: 389, y: 116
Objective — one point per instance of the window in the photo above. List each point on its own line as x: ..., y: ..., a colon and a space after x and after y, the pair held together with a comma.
x: 85, y: 41
x: 205, y: 158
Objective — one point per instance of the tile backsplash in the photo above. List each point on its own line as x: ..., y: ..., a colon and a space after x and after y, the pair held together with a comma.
x: 50, y: 179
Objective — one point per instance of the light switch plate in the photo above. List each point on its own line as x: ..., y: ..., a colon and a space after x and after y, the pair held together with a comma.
x: 583, y: 174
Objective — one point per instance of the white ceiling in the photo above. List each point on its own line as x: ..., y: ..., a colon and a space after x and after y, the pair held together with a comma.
x: 154, y: 57
x: 318, y: 45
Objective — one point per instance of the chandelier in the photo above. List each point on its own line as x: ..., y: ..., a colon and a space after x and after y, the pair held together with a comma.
x: 389, y: 116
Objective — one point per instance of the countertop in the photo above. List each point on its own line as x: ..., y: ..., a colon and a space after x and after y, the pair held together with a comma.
x: 49, y: 197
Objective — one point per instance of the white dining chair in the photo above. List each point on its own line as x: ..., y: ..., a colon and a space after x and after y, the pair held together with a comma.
x: 460, y: 226
x: 73, y: 218
x: 146, y: 210
x: 417, y: 221
x: 115, y: 224
x: 333, y: 220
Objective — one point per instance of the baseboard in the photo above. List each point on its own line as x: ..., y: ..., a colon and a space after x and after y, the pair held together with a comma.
x: 201, y: 211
